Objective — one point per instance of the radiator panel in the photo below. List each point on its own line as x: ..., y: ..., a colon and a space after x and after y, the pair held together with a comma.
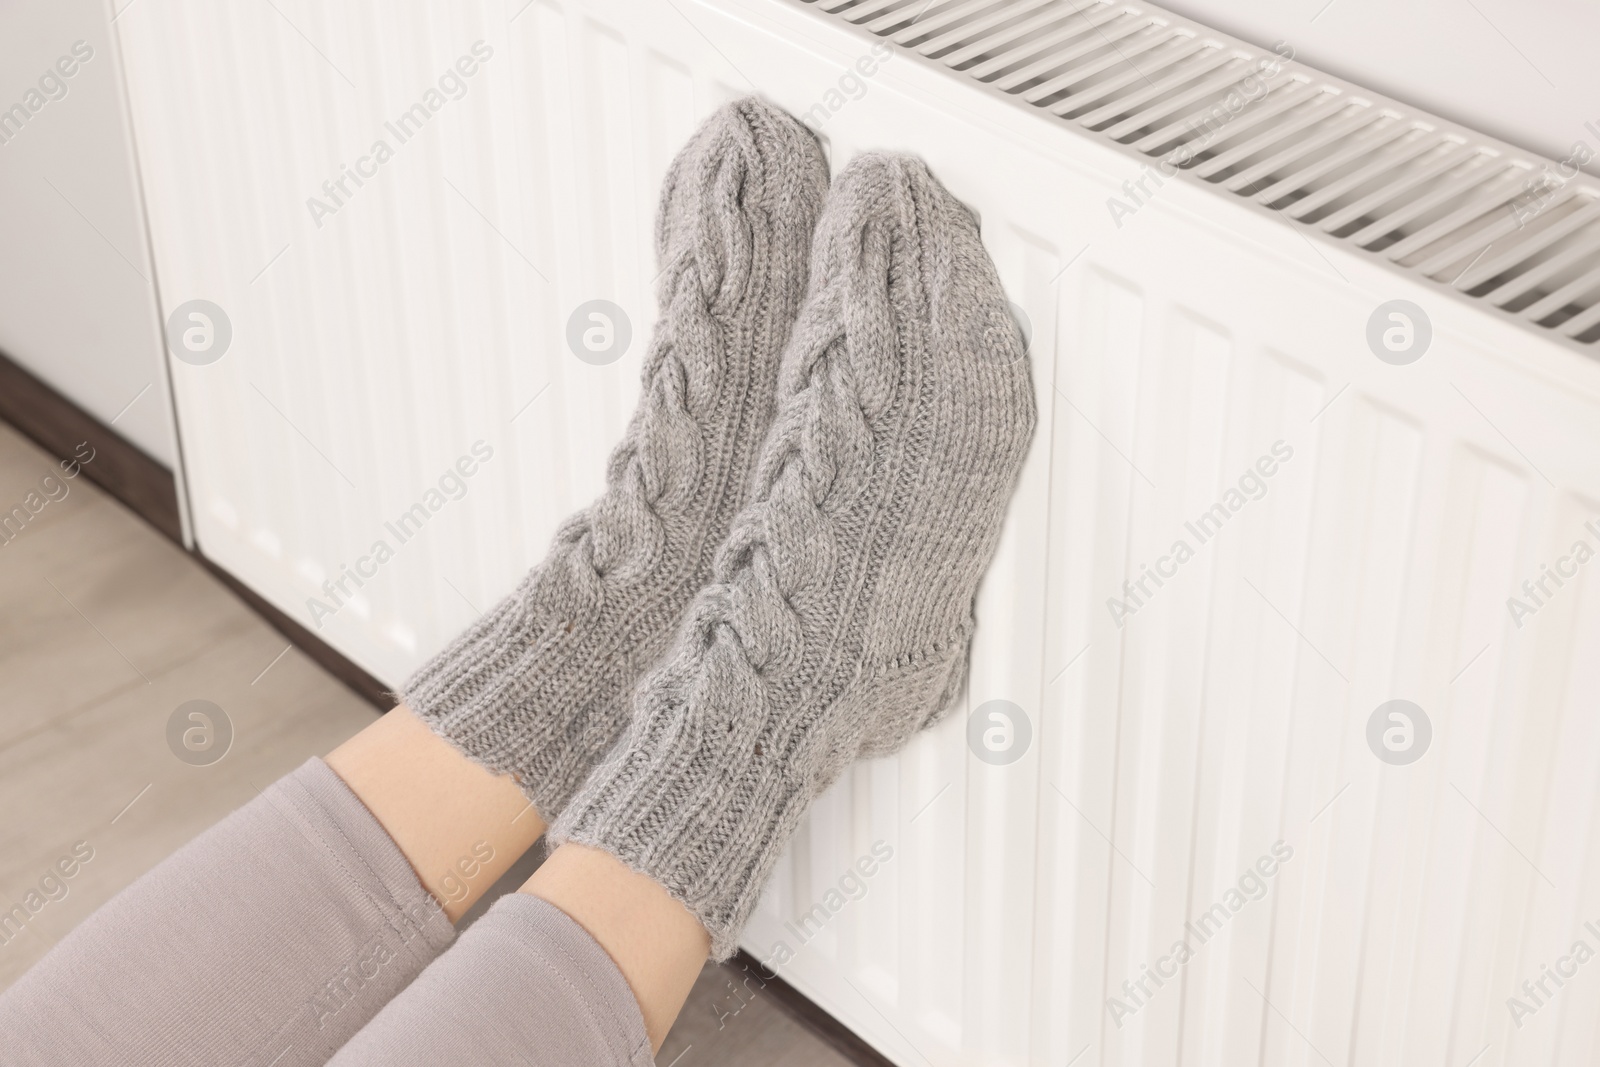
x: 1170, y: 353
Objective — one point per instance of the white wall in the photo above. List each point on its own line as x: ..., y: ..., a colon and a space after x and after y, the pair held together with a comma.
x: 77, y: 303
x: 1520, y: 70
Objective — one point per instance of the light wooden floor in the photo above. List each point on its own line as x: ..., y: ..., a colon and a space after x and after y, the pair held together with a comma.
x: 105, y: 628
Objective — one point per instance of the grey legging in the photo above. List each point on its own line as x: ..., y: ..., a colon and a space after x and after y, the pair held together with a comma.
x: 294, y: 933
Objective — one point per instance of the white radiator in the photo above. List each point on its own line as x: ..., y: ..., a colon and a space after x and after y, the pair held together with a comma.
x: 1183, y: 329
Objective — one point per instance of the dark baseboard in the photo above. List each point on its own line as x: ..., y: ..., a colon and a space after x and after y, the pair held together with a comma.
x: 147, y: 488
x: 58, y: 426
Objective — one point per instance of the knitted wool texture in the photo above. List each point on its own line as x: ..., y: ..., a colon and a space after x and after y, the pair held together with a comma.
x: 839, y: 619
x: 538, y: 687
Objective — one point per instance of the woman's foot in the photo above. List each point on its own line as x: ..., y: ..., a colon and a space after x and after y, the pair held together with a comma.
x: 838, y: 621
x: 538, y: 688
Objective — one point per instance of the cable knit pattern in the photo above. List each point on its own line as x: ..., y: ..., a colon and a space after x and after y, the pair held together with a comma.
x: 840, y: 615
x: 538, y: 687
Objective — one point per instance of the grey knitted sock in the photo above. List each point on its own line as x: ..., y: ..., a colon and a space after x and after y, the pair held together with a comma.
x: 538, y: 687
x: 839, y: 619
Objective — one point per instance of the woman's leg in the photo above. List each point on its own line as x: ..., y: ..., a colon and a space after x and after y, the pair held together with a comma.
x: 285, y: 927
x: 588, y: 965
x: 656, y: 943
x: 459, y: 826
x: 269, y: 939
x: 836, y: 626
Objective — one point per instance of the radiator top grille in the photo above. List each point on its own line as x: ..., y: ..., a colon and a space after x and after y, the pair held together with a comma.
x: 1502, y: 226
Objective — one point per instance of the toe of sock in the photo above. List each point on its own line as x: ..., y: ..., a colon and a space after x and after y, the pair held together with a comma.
x: 931, y: 231
x: 749, y: 183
